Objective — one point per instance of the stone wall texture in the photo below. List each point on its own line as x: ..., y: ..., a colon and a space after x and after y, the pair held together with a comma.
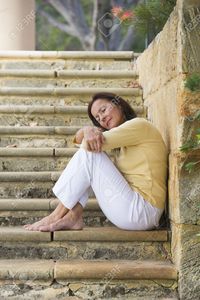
x: 163, y: 67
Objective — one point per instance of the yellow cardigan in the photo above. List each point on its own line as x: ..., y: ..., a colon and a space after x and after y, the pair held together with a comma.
x: 142, y: 158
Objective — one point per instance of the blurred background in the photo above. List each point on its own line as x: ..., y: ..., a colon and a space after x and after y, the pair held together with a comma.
x: 102, y: 25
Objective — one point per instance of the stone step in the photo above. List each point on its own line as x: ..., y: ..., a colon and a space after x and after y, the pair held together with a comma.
x: 21, y: 211
x: 36, y: 159
x: 38, y: 136
x: 67, y: 91
x: 108, y: 74
x: 117, y: 74
x: 91, y: 279
x: 90, y: 243
x: 19, y: 218
x: 38, y: 204
x: 105, y: 234
x: 49, y: 115
x: 29, y: 176
x: 62, y: 100
x: 68, y: 78
x: 78, y: 60
x: 34, y: 55
x: 27, y: 184
x: 91, y: 64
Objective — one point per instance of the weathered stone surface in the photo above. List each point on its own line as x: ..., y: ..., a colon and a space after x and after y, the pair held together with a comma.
x: 19, y: 234
x: 189, y: 192
x: 124, y: 269
x: 67, y: 91
x: 191, y: 43
x: 160, y: 69
x: 29, y: 189
x: 38, y: 141
x: 38, y: 204
x: 110, y: 234
x: 186, y: 252
x: 68, y: 55
x: 43, y: 120
x: 11, y: 164
x: 113, y: 290
x: 162, y: 112
x: 60, y: 100
x: 22, y: 217
x: 75, y: 82
x: 23, y: 271
x: 171, y: 108
x: 29, y: 176
x: 89, y: 250
x: 25, y: 204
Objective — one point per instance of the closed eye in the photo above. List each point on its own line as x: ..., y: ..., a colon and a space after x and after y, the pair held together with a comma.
x: 102, y: 110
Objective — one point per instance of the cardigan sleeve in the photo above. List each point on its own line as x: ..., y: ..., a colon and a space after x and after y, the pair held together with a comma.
x: 129, y: 133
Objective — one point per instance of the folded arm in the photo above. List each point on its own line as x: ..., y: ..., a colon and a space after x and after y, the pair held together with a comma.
x: 93, y: 138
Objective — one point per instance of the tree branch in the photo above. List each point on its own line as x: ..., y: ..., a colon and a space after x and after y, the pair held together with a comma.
x: 63, y: 27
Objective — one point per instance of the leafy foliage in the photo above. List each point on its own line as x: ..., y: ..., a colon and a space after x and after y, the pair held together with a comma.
x: 193, y: 82
x: 190, y: 166
x: 191, y: 145
x: 152, y: 16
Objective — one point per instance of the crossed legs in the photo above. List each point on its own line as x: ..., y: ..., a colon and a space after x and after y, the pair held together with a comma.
x: 124, y: 207
x: 60, y: 219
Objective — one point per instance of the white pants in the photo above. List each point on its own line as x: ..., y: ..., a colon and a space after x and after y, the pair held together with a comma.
x: 122, y: 206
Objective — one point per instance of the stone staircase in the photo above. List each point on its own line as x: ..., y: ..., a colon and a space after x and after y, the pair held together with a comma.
x: 43, y: 102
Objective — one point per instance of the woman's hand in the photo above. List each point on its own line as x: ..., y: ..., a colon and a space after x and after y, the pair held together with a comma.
x: 94, y: 138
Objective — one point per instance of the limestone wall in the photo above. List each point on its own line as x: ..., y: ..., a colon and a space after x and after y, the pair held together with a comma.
x: 172, y: 56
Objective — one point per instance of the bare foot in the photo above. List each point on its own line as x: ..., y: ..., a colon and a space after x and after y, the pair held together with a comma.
x: 57, y: 214
x: 45, y: 221
x: 69, y: 221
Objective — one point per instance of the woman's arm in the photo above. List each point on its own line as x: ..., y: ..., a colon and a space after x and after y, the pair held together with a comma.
x: 79, y: 136
x: 93, y: 138
x: 130, y: 133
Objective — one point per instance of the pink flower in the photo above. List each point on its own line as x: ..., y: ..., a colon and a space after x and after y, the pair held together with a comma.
x: 127, y: 15
x: 116, y: 10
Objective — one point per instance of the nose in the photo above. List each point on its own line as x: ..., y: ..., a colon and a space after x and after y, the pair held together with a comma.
x: 103, y: 118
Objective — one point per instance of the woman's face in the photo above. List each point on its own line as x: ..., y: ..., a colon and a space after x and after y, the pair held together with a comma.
x: 107, y: 114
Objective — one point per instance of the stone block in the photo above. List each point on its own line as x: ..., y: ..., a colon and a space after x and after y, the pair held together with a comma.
x: 26, y: 271
x: 190, y: 32
x: 159, y: 70
x: 186, y: 253
x: 79, y: 269
x: 19, y: 234
x: 162, y: 112
x: 184, y: 190
x: 111, y: 234
x: 114, y: 290
x: 81, y: 249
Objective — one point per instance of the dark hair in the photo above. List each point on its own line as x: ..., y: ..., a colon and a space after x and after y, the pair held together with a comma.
x: 128, y: 111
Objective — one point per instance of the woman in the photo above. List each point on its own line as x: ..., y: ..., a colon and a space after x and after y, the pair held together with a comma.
x: 131, y: 191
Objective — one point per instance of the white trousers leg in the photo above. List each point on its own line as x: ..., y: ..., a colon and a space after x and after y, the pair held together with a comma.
x: 122, y: 206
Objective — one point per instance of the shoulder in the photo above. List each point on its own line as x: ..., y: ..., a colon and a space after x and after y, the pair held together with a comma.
x: 136, y: 122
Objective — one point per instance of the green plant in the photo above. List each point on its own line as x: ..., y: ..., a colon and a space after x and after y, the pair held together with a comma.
x: 193, y: 82
x: 189, y: 146
x: 148, y: 17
